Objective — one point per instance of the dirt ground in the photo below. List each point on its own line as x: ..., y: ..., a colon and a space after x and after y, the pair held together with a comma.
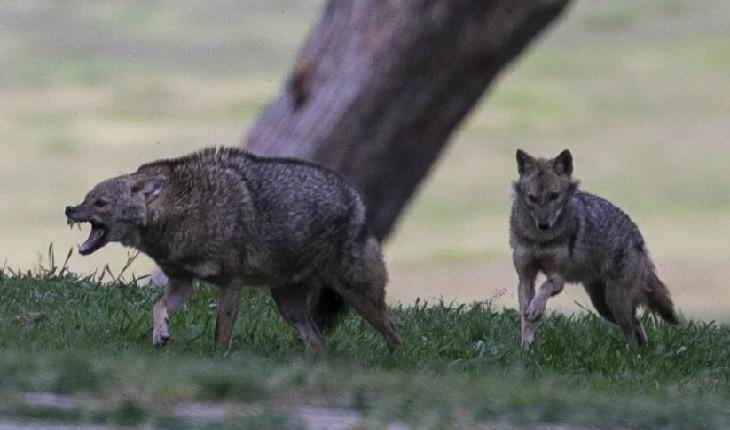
x: 313, y: 417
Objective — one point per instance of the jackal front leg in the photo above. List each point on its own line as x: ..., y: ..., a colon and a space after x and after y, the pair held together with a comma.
x: 229, y: 300
x: 176, y: 293
x: 526, y: 291
x: 551, y: 287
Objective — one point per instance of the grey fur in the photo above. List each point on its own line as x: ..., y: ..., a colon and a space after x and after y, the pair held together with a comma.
x: 228, y: 217
x: 574, y: 236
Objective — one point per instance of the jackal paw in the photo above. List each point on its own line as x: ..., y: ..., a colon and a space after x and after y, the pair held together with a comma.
x: 528, y: 340
x: 535, y: 311
x: 159, y: 341
x: 528, y: 336
x: 160, y: 336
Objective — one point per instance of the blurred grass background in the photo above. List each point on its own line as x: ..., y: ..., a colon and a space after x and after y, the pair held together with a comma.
x: 637, y: 90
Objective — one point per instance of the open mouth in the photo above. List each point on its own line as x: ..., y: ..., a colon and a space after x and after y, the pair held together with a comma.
x: 97, y: 237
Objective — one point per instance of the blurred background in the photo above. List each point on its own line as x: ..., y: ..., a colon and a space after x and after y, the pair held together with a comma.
x: 638, y: 91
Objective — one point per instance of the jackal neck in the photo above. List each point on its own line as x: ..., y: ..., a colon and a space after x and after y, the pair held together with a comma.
x: 159, y: 233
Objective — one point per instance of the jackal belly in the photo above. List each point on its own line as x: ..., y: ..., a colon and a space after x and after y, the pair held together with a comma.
x: 217, y: 272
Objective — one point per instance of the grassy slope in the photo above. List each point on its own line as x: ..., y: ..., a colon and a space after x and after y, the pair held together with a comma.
x: 457, y: 364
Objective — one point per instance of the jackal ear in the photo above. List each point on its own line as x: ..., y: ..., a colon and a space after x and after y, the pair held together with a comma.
x: 525, y: 162
x: 149, y: 186
x: 563, y: 163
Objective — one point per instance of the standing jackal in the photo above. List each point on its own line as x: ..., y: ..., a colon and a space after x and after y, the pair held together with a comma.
x: 234, y: 219
x: 573, y: 236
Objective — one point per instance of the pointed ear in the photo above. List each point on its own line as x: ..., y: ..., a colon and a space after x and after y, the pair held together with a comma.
x: 525, y: 162
x: 149, y: 186
x: 563, y: 163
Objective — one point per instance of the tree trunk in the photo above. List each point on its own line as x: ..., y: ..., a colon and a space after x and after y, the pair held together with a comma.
x: 380, y: 85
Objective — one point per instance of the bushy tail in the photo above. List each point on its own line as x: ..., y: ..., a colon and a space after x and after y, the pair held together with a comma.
x: 660, y: 301
x: 328, y: 309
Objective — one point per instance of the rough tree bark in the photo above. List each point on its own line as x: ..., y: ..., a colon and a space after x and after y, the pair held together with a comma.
x: 380, y: 85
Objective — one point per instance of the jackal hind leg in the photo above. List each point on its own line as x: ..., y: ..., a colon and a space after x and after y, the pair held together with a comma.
x: 597, y: 292
x: 621, y: 303
x: 362, y: 286
x: 176, y: 293
x: 368, y: 300
x: 293, y: 301
x: 229, y: 300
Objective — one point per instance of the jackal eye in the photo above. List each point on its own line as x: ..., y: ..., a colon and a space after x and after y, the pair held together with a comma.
x: 532, y: 198
x: 100, y: 203
x: 553, y: 196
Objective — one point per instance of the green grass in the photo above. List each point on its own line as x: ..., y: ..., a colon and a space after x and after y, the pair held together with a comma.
x: 458, y: 364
